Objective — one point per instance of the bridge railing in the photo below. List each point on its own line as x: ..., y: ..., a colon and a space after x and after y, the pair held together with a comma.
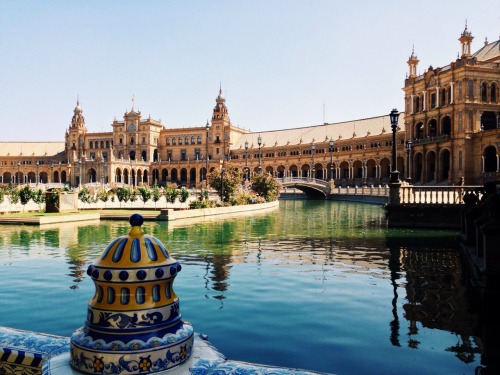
x: 437, y: 195
x: 308, y: 180
x: 374, y: 191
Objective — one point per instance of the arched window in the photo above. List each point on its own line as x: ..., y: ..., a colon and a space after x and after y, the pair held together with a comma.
x: 180, y: 141
x: 484, y: 92
x: 91, y: 144
x: 186, y: 140
x: 174, y: 141
x: 192, y: 140
x: 167, y: 141
x: 131, y: 140
x: 199, y: 139
x: 493, y: 92
x: 102, y: 144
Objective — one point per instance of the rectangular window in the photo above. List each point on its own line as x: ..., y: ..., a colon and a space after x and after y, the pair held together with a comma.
x: 470, y: 88
x: 183, y: 154
x: 460, y: 90
x: 470, y: 121
x: 459, y: 121
x: 197, y: 154
x: 169, y: 155
x: 433, y: 100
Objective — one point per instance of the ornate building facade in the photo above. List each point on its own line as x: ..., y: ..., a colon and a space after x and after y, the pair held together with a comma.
x: 450, y: 128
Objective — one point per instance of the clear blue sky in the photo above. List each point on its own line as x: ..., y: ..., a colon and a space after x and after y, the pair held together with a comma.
x: 281, y: 64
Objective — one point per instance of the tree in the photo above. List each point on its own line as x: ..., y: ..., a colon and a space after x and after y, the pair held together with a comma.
x: 2, y: 195
x: 171, y: 194
x: 39, y: 198
x: 156, y: 193
x: 183, y: 195
x: 13, y: 196
x: 266, y: 186
x: 103, y: 196
x: 144, y: 193
x: 133, y: 196
x: 225, y: 181
x: 123, y: 195
x: 25, y: 195
x: 84, y: 195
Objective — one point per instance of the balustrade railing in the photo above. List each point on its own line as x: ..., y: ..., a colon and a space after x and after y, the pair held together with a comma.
x: 437, y: 195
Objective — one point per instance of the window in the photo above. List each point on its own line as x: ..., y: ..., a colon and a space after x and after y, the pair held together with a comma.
x: 470, y: 88
x: 199, y: 139
x: 183, y: 154
x: 143, y: 140
x: 91, y: 144
x: 459, y: 121
x: 192, y: 140
x: 493, y: 93
x: 174, y: 141
x: 484, y: 92
x: 102, y: 144
x: 433, y: 100
x: 460, y: 90
x: 180, y: 141
x: 186, y: 140
x: 470, y: 120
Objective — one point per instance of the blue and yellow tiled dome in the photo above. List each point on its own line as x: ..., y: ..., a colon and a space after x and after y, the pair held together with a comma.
x: 133, y: 321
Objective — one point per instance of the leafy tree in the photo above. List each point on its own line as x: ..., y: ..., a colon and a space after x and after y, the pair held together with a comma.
x: 39, y: 198
x: 183, y: 195
x: 144, y: 193
x: 84, y: 195
x: 103, y: 196
x: 266, y: 186
x: 226, y: 183
x: 2, y: 195
x: 13, y: 196
x: 25, y: 195
x: 133, y: 196
x: 171, y: 194
x: 156, y: 193
x: 123, y: 195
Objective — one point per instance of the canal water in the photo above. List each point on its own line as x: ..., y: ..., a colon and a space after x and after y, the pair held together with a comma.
x: 318, y: 285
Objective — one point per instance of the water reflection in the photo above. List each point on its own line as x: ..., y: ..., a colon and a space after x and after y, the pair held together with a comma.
x: 344, y: 248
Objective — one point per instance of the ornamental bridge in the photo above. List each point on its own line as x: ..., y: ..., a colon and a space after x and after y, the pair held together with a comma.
x: 315, y: 188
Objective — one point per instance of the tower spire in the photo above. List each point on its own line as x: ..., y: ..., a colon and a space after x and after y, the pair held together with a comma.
x: 466, y: 42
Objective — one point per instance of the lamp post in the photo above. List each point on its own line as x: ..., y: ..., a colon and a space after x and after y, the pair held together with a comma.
x: 313, y: 147
x: 18, y: 172
x: 37, y: 175
x: 259, y: 142
x: 331, y: 158
x: 394, y: 115
x: 103, y: 174
x: 206, y: 157
x: 79, y: 173
x: 408, y: 152
x: 131, y: 174
x: 222, y: 185
x: 247, y: 177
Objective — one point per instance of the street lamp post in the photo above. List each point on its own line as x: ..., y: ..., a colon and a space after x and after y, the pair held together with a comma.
x: 394, y: 115
x: 247, y: 177
x: 222, y: 185
x: 313, y: 147
x: 37, y: 175
x: 331, y: 158
x: 79, y: 173
x: 259, y: 142
x: 131, y: 174
x: 18, y: 172
x: 206, y: 156
x: 408, y: 152
x: 103, y: 173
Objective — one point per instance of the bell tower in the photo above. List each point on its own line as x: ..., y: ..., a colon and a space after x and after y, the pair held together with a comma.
x: 220, y: 128
x: 466, y: 42
x: 412, y: 64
